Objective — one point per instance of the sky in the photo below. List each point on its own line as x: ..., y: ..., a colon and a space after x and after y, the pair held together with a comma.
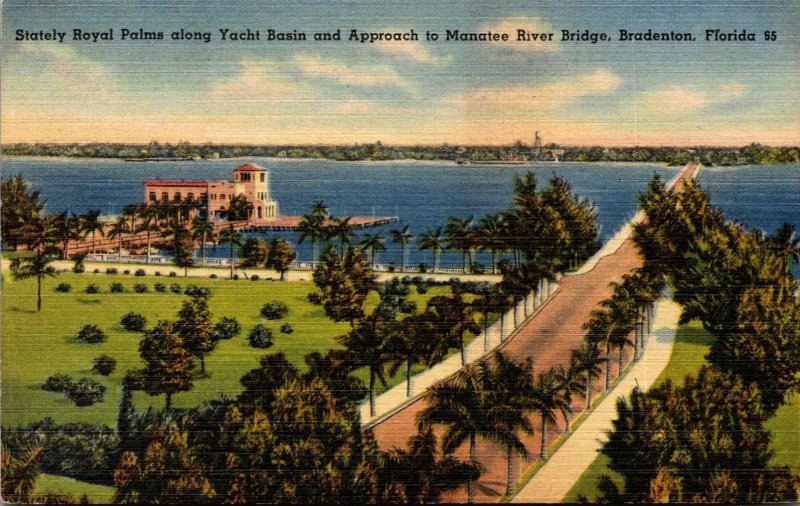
x: 401, y: 92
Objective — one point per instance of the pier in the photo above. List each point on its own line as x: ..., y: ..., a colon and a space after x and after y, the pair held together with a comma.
x: 289, y: 223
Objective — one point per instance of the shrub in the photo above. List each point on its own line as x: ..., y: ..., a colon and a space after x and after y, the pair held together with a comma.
x: 63, y: 287
x: 274, y: 310
x: 236, y: 277
x: 391, y: 267
x: 111, y: 270
x: 260, y: 337
x: 226, y: 328
x: 86, y: 392
x: 133, y: 322
x: 213, y: 276
x: 173, y: 274
x: 96, y: 271
x: 126, y: 271
x: 197, y: 291
x: 423, y: 267
x: 139, y: 272
x: 78, y: 268
x: 160, y: 287
x: 140, y: 288
x: 57, y: 383
x: 314, y: 298
x: 157, y: 273
x: 408, y: 306
x: 116, y: 288
x: 286, y: 329
x: 103, y: 365
x: 477, y: 268
x: 175, y: 288
x: 254, y: 277
x: 422, y: 289
x: 406, y: 280
x: 92, y: 288
x: 90, y: 334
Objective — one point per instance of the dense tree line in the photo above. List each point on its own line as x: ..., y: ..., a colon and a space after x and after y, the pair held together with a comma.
x: 705, y: 441
x: 708, y: 155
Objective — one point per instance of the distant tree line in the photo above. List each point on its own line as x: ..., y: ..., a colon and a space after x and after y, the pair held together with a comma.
x: 708, y: 155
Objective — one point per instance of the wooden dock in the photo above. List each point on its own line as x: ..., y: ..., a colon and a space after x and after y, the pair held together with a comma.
x: 289, y: 223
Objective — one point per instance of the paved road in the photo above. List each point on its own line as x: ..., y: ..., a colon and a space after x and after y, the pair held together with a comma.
x: 555, y: 479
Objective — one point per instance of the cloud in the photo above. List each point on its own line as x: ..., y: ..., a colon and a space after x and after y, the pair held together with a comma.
x: 413, y: 51
x: 537, y: 97
x: 529, y: 24
x: 256, y: 83
x: 364, y: 107
x: 676, y: 100
x: 362, y: 75
x: 66, y: 71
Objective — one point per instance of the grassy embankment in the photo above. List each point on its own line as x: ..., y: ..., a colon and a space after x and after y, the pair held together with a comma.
x: 691, y: 345
x: 37, y: 345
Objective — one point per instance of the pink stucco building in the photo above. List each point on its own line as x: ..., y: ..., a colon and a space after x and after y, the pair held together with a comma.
x: 250, y: 180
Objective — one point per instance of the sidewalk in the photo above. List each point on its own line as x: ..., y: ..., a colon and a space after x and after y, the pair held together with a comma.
x: 557, y: 476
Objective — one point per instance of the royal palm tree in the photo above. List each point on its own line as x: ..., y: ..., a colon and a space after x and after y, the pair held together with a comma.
x: 622, y: 311
x: 149, y: 224
x: 340, y: 228
x: 485, y: 306
x: 118, y: 229
x: 453, y: 317
x: 40, y: 234
x: 91, y: 224
x: 461, y: 236
x: 239, y: 209
x: 374, y: 243
x: 547, y: 399
x: 492, y: 237
x: 36, y: 266
x: 462, y: 404
x: 320, y: 210
x: 410, y: 344
x: 368, y: 344
x: 432, y: 240
x: 312, y: 227
x: 402, y: 237
x: 130, y: 212
x: 587, y: 359
x: 67, y: 229
x: 571, y: 382
x: 598, y: 331
x: 202, y: 231
x: 234, y: 238
x: 787, y: 244
x: 20, y: 475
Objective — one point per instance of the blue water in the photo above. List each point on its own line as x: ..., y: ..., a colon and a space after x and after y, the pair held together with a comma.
x: 423, y: 195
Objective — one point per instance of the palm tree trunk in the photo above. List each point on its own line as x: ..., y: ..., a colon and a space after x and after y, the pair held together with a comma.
x: 516, y: 324
x: 66, y: 248
x: 148, y: 243
x: 502, y: 324
x: 509, y: 483
x: 494, y: 264
x: 371, y: 392
x: 408, y: 377
x: 464, y: 261
x: 619, y: 362
x: 38, y: 293
x: 485, y: 332
x: 93, y: 243
x: 471, y: 460
x: 203, y: 250
x: 402, y: 257
x: 231, y: 257
x: 588, y: 390
x: 544, y: 436
x: 169, y: 401
x: 463, y: 352
x: 202, y: 364
x: 567, y: 419
x: 608, y: 365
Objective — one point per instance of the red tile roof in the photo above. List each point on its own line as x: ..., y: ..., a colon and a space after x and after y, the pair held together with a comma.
x: 249, y: 167
x: 193, y: 184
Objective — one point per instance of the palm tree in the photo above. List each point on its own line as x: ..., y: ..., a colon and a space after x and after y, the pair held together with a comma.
x: 622, y: 311
x: 461, y: 236
x: 510, y: 392
x: 491, y: 236
x: 239, y: 209
x: 149, y: 217
x: 486, y: 306
x: 368, y: 346
x: 202, y: 231
x: 311, y: 226
x: 20, y: 475
x: 787, y: 244
x: 36, y: 266
x: 432, y: 240
x: 66, y: 230
x: 130, y: 212
x: 234, y: 238
x: 410, y: 344
x: 91, y: 224
x: 340, y: 228
x: 118, y: 229
x: 452, y: 317
x: 587, y: 359
x: 570, y: 382
x: 462, y: 404
x: 598, y: 330
x: 547, y: 398
x: 374, y: 243
x: 402, y: 237
x: 320, y: 210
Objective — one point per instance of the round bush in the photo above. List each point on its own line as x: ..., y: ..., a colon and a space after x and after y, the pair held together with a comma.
x: 226, y: 328
x: 139, y: 272
x: 57, y: 383
x: 86, y: 392
x: 133, y: 322
x: 235, y: 277
x: 408, y: 306
x: 254, y: 277
x: 175, y: 288
x: 92, y: 288
x: 173, y: 274
x: 274, y: 310
x: 157, y: 273
x: 103, y: 365
x: 116, y: 288
x: 213, y: 276
x: 96, y: 271
x: 111, y: 270
x: 197, y: 291
x: 314, y: 298
x: 90, y: 334
x: 160, y: 287
x: 140, y: 288
x: 63, y: 287
x: 286, y: 329
x: 78, y: 268
x: 422, y: 289
x: 126, y: 271
x: 260, y: 337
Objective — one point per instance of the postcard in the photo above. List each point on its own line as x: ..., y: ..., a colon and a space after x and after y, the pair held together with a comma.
x: 357, y: 252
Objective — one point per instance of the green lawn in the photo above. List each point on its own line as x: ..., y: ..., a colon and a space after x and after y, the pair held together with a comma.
x: 688, y: 355
x: 37, y: 345
x: 49, y: 483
